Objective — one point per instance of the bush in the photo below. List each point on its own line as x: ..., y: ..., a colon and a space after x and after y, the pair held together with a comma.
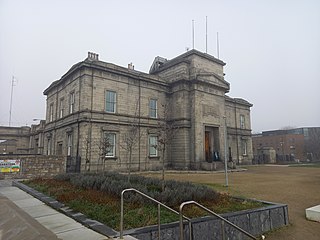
x: 114, y: 183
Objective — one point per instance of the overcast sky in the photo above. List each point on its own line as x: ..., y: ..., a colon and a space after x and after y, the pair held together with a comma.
x: 271, y: 48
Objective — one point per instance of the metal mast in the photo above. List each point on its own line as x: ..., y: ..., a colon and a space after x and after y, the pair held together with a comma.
x: 10, y: 111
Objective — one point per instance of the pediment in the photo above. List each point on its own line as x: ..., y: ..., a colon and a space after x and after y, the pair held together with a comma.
x: 214, y: 79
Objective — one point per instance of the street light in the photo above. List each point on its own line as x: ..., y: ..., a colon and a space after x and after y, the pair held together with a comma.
x: 225, y: 151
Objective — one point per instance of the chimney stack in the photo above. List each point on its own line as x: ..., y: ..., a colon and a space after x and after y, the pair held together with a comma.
x: 130, y: 66
x: 93, y: 56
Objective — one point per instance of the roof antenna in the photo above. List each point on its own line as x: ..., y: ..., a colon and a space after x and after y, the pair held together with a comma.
x: 13, y: 81
x: 218, y: 45
x: 206, y: 34
x: 192, y: 34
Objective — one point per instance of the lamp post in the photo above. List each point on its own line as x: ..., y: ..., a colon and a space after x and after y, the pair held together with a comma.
x: 225, y: 151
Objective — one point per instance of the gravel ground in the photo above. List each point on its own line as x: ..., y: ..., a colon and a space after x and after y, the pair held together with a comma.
x: 299, y: 187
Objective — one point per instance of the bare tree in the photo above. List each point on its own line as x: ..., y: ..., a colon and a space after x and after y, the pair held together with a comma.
x: 312, y: 144
x: 166, y: 130
x: 105, y: 147
x: 131, y: 138
x: 87, y: 143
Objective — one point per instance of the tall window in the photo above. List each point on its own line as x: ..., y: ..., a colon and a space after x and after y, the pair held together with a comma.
x: 153, y: 108
x: 242, y: 122
x: 71, y: 102
x: 61, y: 108
x: 59, y: 148
x: 69, y: 144
x: 110, y: 144
x: 51, y: 112
x: 153, y: 142
x: 244, y: 147
x: 49, y: 146
x: 111, y: 101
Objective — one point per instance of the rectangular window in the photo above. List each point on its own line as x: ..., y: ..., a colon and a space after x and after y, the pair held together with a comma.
x: 59, y: 148
x: 153, y: 142
x: 51, y: 112
x: 49, y: 146
x: 69, y: 144
x: 111, y: 101
x: 61, y: 108
x: 110, y: 144
x: 36, y: 146
x: 242, y: 122
x: 71, y: 102
x: 153, y: 108
x: 244, y: 147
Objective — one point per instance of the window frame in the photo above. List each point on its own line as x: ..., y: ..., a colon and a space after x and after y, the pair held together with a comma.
x: 61, y: 108
x: 153, y: 110
x: 244, y: 148
x: 49, y: 146
x: 112, y: 103
x: 242, y: 121
x: 69, y: 144
x: 113, y: 145
x: 152, y: 147
x: 71, y: 102
x: 51, y: 112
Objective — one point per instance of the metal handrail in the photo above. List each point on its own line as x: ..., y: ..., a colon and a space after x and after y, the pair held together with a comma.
x: 159, y: 205
x: 213, y: 213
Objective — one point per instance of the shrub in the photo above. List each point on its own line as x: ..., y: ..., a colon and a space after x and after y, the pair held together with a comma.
x: 114, y: 183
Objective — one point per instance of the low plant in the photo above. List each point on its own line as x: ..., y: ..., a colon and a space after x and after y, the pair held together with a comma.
x: 98, y: 197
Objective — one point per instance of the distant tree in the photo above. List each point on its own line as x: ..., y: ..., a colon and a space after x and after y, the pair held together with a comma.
x: 312, y: 144
x: 287, y: 128
x: 166, y: 130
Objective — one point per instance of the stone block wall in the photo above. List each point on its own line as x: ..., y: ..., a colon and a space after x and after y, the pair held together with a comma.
x: 255, y: 222
x: 32, y: 166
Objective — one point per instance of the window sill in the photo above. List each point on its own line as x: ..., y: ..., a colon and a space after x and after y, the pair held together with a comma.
x: 111, y: 158
x: 154, y: 157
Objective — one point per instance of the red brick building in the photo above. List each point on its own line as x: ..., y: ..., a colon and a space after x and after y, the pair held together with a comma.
x: 300, y: 144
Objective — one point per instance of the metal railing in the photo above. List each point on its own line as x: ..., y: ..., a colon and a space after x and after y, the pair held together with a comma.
x: 213, y: 213
x: 159, y: 206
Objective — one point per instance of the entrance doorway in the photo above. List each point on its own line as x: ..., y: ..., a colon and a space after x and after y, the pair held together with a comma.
x: 207, y: 147
x: 211, y: 144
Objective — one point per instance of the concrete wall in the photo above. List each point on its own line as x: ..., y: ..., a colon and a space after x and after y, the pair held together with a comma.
x: 35, y: 166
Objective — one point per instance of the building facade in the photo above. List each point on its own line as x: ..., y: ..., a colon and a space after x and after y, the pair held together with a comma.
x: 299, y: 144
x: 96, y: 100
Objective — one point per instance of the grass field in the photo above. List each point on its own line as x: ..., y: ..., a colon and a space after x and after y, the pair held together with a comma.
x: 299, y: 187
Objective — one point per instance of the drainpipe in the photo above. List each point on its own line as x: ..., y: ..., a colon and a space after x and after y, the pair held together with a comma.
x: 78, y: 123
x: 90, y: 127
x: 236, y: 122
x: 139, y: 123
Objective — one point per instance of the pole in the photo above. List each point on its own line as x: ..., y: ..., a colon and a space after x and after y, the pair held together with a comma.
x: 218, y: 45
x: 10, y: 111
x: 225, y: 151
x: 192, y: 34
x: 206, y: 34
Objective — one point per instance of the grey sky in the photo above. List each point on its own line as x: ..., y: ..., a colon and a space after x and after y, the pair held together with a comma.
x: 272, y: 49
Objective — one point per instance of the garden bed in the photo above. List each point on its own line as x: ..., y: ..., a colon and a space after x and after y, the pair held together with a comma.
x: 98, y: 197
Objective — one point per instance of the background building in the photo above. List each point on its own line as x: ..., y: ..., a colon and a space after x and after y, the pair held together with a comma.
x: 299, y: 144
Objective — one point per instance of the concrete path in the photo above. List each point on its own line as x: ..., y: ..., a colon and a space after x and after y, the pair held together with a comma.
x: 25, y: 217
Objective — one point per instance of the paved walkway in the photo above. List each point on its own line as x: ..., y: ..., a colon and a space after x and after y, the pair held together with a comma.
x: 25, y: 217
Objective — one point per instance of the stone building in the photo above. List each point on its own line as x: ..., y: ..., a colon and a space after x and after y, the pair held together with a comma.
x: 14, y: 140
x: 298, y: 144
x: 96, y: 100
